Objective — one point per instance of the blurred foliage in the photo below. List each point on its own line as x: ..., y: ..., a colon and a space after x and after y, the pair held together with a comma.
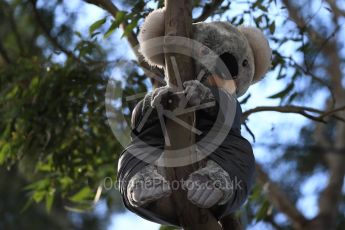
x: 54, y: 135
x: 56, y: 145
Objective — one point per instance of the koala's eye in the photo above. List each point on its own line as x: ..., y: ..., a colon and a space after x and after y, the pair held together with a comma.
x: 231, y: 63
x: 245, y: 63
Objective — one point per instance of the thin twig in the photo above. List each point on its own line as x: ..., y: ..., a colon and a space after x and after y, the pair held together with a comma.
x: 336, y: 10
x: 46, y: 32
x: 304, y: 111
x: 249, y: 131
x: 279, y: 199
x: 332, y: 112
x: 316, y: 78
x: 151, y: 72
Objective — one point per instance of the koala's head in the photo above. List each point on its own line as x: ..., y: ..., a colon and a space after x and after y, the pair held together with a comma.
x: 244, y: 50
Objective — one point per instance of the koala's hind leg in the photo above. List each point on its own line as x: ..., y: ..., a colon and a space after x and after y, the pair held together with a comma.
x: 146, y: 186
x: 209, y: 186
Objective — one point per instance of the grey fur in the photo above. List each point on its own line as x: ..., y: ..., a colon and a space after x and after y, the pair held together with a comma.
x: 222, y: 37
x: 160, y: 94
x: 209, y: 186
x: 247, y: 45
x: 146, y: 186
x: 244, y: 43
x: 194, y: 91
x: 197, y: 93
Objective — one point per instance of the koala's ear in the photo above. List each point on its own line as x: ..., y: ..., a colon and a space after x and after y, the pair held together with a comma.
x: 261, y: 50
x: 153, y: 27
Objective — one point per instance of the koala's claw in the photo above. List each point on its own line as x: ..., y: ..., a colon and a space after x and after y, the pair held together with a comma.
x: 196, y: 92
x: 159, y: 95
x: 147, y: 186
x: 209, y: 186
x: 203, y: 194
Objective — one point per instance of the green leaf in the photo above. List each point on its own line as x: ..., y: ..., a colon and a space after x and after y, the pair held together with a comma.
x: 292, y: 97
x: 45, y: 166
x: 38, y: 185
x: 111, y: 29
x: 263, y: 8
x: 129, y: 28
x: 4, y: 152
x: 78, y: 34
x: 328, y: 9
x: 83, y: 194
x: 39, y: 195
x: 262, y: 212
x: 34, y: 83
x: 272, y: 27
x: 26, y: 205
x: 80, y: 208
x: 284, y: 92
x: 49, y: 200
x: 244, y: 101
x: 120, y: 16
x: 2, y: 158
x: 65, y: 181
x: 95, y: 34
x: 13, y: 92
x: 256, y: 193
x: 257, y: 3
x: 96, y: 25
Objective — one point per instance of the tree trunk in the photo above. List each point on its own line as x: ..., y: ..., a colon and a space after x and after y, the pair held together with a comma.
x: 178, y: 22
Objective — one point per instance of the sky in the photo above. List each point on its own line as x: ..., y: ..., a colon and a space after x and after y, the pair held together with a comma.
x: 266, y: 126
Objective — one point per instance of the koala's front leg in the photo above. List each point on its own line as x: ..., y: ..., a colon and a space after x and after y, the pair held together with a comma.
x: 160, y: 95
x: 197, y: 93
x: 209, y: 186
x: 146, y: 186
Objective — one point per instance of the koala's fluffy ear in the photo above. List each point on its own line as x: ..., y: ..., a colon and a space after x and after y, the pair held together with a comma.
x: 153, y: 27
x: 261, y: 50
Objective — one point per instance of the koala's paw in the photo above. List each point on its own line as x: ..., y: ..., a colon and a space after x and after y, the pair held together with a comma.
x: 197, y: 93
x: 146, y: 186
x: 209, y: 186
x: 160, y: 95
x: 201, y: 192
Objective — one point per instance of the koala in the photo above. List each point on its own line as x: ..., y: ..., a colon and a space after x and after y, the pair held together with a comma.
x: 225, y: 179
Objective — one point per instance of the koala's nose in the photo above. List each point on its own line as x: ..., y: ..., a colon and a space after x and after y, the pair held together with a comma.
x: 231, y: 64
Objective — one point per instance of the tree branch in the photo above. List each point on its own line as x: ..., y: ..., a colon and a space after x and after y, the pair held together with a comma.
x: 315, y: 78
x: 304, y: 111
x: 299, y: 20
x: 46, y: 32
x: 279, y: 199
x: 330, y: 196
x: 318, y: 149
x: 155, y: 74
x: 7, y: 10
x: 179, y: 68
x: 208, y: 10
x: 337, y: 12
x: 108, y: 6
